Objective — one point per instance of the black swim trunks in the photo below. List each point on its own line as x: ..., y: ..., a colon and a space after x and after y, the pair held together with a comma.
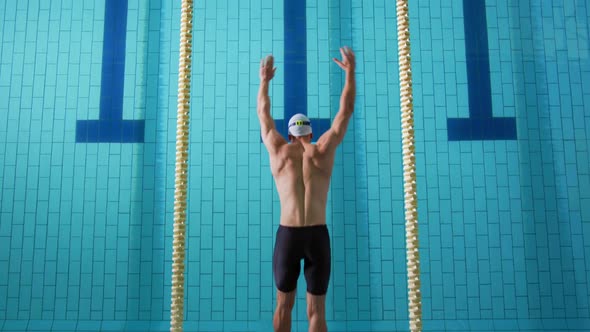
x: 310, y: 243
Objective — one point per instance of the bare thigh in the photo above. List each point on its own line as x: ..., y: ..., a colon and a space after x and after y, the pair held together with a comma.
x: 316, y: 305
x: 286, y: 300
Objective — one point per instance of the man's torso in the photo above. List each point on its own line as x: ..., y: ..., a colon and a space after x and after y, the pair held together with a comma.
x: 302, y: 176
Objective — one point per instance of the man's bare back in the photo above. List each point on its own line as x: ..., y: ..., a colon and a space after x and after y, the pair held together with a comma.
x: 302, y: 174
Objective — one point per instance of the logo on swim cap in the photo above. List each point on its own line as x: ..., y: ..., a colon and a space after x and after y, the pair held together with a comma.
x: 299, y: 125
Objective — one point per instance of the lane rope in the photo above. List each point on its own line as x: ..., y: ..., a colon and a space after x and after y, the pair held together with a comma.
x: 409, y: 164
x: 181, y: 170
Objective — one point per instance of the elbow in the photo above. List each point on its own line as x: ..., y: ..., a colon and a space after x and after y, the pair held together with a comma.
x: 350, y: 107
x: 347, y: 107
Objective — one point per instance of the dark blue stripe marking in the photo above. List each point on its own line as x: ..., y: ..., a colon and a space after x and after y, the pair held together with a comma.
x: 296, y: 69
x: 481, y: 125
x: 111, y: 127
x: 295, y: 58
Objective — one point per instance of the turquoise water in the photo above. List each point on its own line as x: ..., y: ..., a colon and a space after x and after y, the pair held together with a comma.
x: 87, y: 130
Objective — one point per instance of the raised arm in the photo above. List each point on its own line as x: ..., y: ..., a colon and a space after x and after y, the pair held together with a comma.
x: 330, y: 140
x: 270, y: 136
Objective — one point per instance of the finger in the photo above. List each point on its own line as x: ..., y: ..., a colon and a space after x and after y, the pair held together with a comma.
x: 349, y: 52
x: 343, y: 53
x: 339, y: 63
x: 269, y: 60
x: 274, y: 70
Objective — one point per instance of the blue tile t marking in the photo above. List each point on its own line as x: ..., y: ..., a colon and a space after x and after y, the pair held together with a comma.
x: 110, y: 127
x: 481, y: 125
x: 296, y: 70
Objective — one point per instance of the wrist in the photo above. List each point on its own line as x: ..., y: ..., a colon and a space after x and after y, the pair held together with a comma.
x: 350, y: 75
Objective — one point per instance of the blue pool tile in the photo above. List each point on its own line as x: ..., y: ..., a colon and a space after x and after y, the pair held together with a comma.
x: 434, y: 325
x: 63, y: 325
x: 137, y: 326
x: 88, y: 325
x: 113, y: 325
x: 20, y: 325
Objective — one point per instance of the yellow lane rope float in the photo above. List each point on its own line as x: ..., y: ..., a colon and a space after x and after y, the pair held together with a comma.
x: 409, y: 160
x: 181, y: 171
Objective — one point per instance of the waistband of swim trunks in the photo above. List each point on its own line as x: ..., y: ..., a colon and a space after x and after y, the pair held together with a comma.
x: 304, y: 227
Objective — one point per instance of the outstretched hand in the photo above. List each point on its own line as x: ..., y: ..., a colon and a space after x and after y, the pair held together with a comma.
x: 267, y: 71
x: 347, y: 62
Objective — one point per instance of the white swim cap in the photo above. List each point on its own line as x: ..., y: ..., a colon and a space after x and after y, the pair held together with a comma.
x: 299, y: 125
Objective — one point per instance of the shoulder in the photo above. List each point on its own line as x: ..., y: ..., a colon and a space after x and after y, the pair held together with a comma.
x: 325, y: 146
x: 317, y: 152
x: 285, y: 151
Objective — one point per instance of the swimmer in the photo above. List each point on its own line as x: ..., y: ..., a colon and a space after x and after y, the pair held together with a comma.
x: 302, y: 172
